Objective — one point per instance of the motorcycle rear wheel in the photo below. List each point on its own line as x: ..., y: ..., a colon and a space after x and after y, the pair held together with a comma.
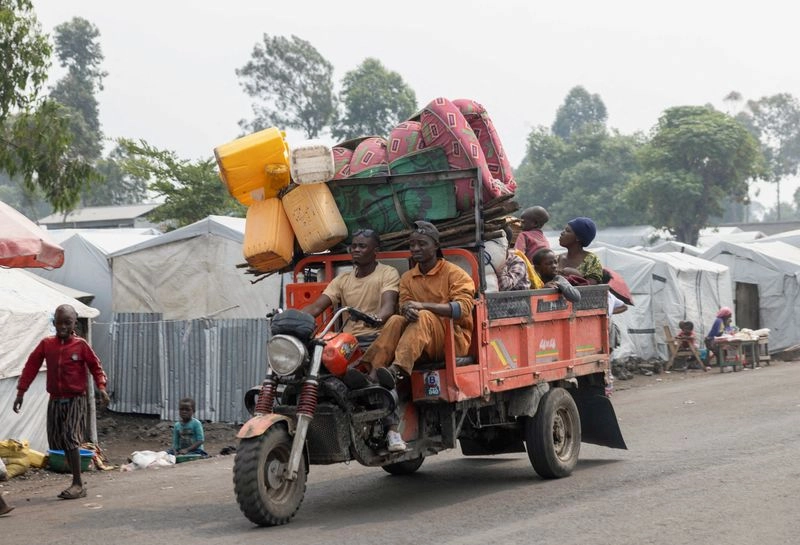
x: 265, y: 497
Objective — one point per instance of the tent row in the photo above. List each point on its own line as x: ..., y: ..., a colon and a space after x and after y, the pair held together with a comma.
x: 667, y: 288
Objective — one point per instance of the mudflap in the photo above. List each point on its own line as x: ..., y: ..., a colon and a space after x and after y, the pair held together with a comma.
x: 599, y: 424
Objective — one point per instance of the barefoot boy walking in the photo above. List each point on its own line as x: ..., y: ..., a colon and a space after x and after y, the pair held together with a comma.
x: 68, y: 357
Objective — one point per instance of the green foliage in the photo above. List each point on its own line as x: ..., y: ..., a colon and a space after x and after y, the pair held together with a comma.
x: 36, y: 147
x: 116, y: 186
x: 35, y: 138
x: 78, y: 49
x: 375, y: 100
x: 584, y: 176
x: 775, y: 122
x: 191, y: 190
x: 24, y: 56
x: 580, y: 112
x: 696, y: 157
x: 292, y: 85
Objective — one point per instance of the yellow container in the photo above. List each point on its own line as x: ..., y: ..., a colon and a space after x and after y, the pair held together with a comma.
x: 315, y: 218
x: 37, y: 459
x: 254, y: 167
x: 268, y: 237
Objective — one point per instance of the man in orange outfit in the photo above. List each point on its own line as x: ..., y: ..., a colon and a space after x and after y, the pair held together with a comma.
x: 433, y: 290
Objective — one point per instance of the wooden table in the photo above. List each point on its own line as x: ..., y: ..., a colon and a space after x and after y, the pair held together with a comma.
x: 737, y: 353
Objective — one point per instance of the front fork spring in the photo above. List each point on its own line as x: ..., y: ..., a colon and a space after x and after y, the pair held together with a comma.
x: 266, y: 399
x: 307, y: 403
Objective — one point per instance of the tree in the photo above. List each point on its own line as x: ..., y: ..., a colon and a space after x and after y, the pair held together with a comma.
x: 775, y: 121
x: 35, y: 141
x: 25, y: 56
x: 696, y: 157
x: 79, y: 51
x: 116, y: 186
x: 292, y: 84
x: 585, y: 176
x: 581, y: 111
x: 192, y: 190
x: 785, y: 210
x: 375, y: 100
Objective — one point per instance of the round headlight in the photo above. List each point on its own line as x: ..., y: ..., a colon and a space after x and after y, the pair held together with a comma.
x: 285, y: 354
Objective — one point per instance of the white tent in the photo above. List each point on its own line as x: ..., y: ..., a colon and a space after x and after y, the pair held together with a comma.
x: 711, y: 235
x: 789, y: 237
x: 636, y: 325
x: 191, y: 273
x: 26, y: 314
x: 666, y: 288
x: 770, y: 273
x: 188, y: 321
x: 674, y: 246
x: 86, y: 267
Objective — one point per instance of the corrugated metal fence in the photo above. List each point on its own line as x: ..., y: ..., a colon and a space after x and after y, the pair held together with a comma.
x: 157, y: 362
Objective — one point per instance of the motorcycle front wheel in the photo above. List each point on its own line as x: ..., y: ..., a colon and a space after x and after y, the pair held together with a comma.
x: 264, y: 495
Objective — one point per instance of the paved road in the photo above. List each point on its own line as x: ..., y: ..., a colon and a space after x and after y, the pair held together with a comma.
x: 712, y: 460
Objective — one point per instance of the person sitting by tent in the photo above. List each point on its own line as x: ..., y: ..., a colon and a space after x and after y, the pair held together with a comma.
x: 579, y: 266
x: 187, y: 433
x: 721, y: 323
x: 687, y: 340
x: 544, y: 261
x: 686, y: 335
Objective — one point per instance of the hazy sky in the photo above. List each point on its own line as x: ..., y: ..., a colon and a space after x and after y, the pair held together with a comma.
x: 171, y: 62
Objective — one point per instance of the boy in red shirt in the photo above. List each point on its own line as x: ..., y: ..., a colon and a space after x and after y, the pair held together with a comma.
x: 68, y: 357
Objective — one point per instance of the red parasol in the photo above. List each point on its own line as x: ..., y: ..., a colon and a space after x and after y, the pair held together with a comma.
x: 618, y: 287
x: 25, y: 244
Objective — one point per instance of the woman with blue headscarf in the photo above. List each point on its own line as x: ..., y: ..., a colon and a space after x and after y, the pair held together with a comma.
x: 577, y: 262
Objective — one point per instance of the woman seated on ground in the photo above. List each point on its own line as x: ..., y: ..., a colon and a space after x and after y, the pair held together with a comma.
x: 718, y: 328
x: 578, y: 265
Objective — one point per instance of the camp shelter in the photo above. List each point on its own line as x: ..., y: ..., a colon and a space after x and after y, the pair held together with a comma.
x: 636, y: 325
x: 26, y: 314
x: 188, y: 322
x: 711, y: 235
x: 666, y: 288
x: 789, y: 237
x: 701, y: 288
x: 674, y: 246
x: 191, y: 272
x: 86, y: 267
x: 765, y: 278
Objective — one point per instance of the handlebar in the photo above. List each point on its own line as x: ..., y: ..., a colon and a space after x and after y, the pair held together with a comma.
x: 368, y: 319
